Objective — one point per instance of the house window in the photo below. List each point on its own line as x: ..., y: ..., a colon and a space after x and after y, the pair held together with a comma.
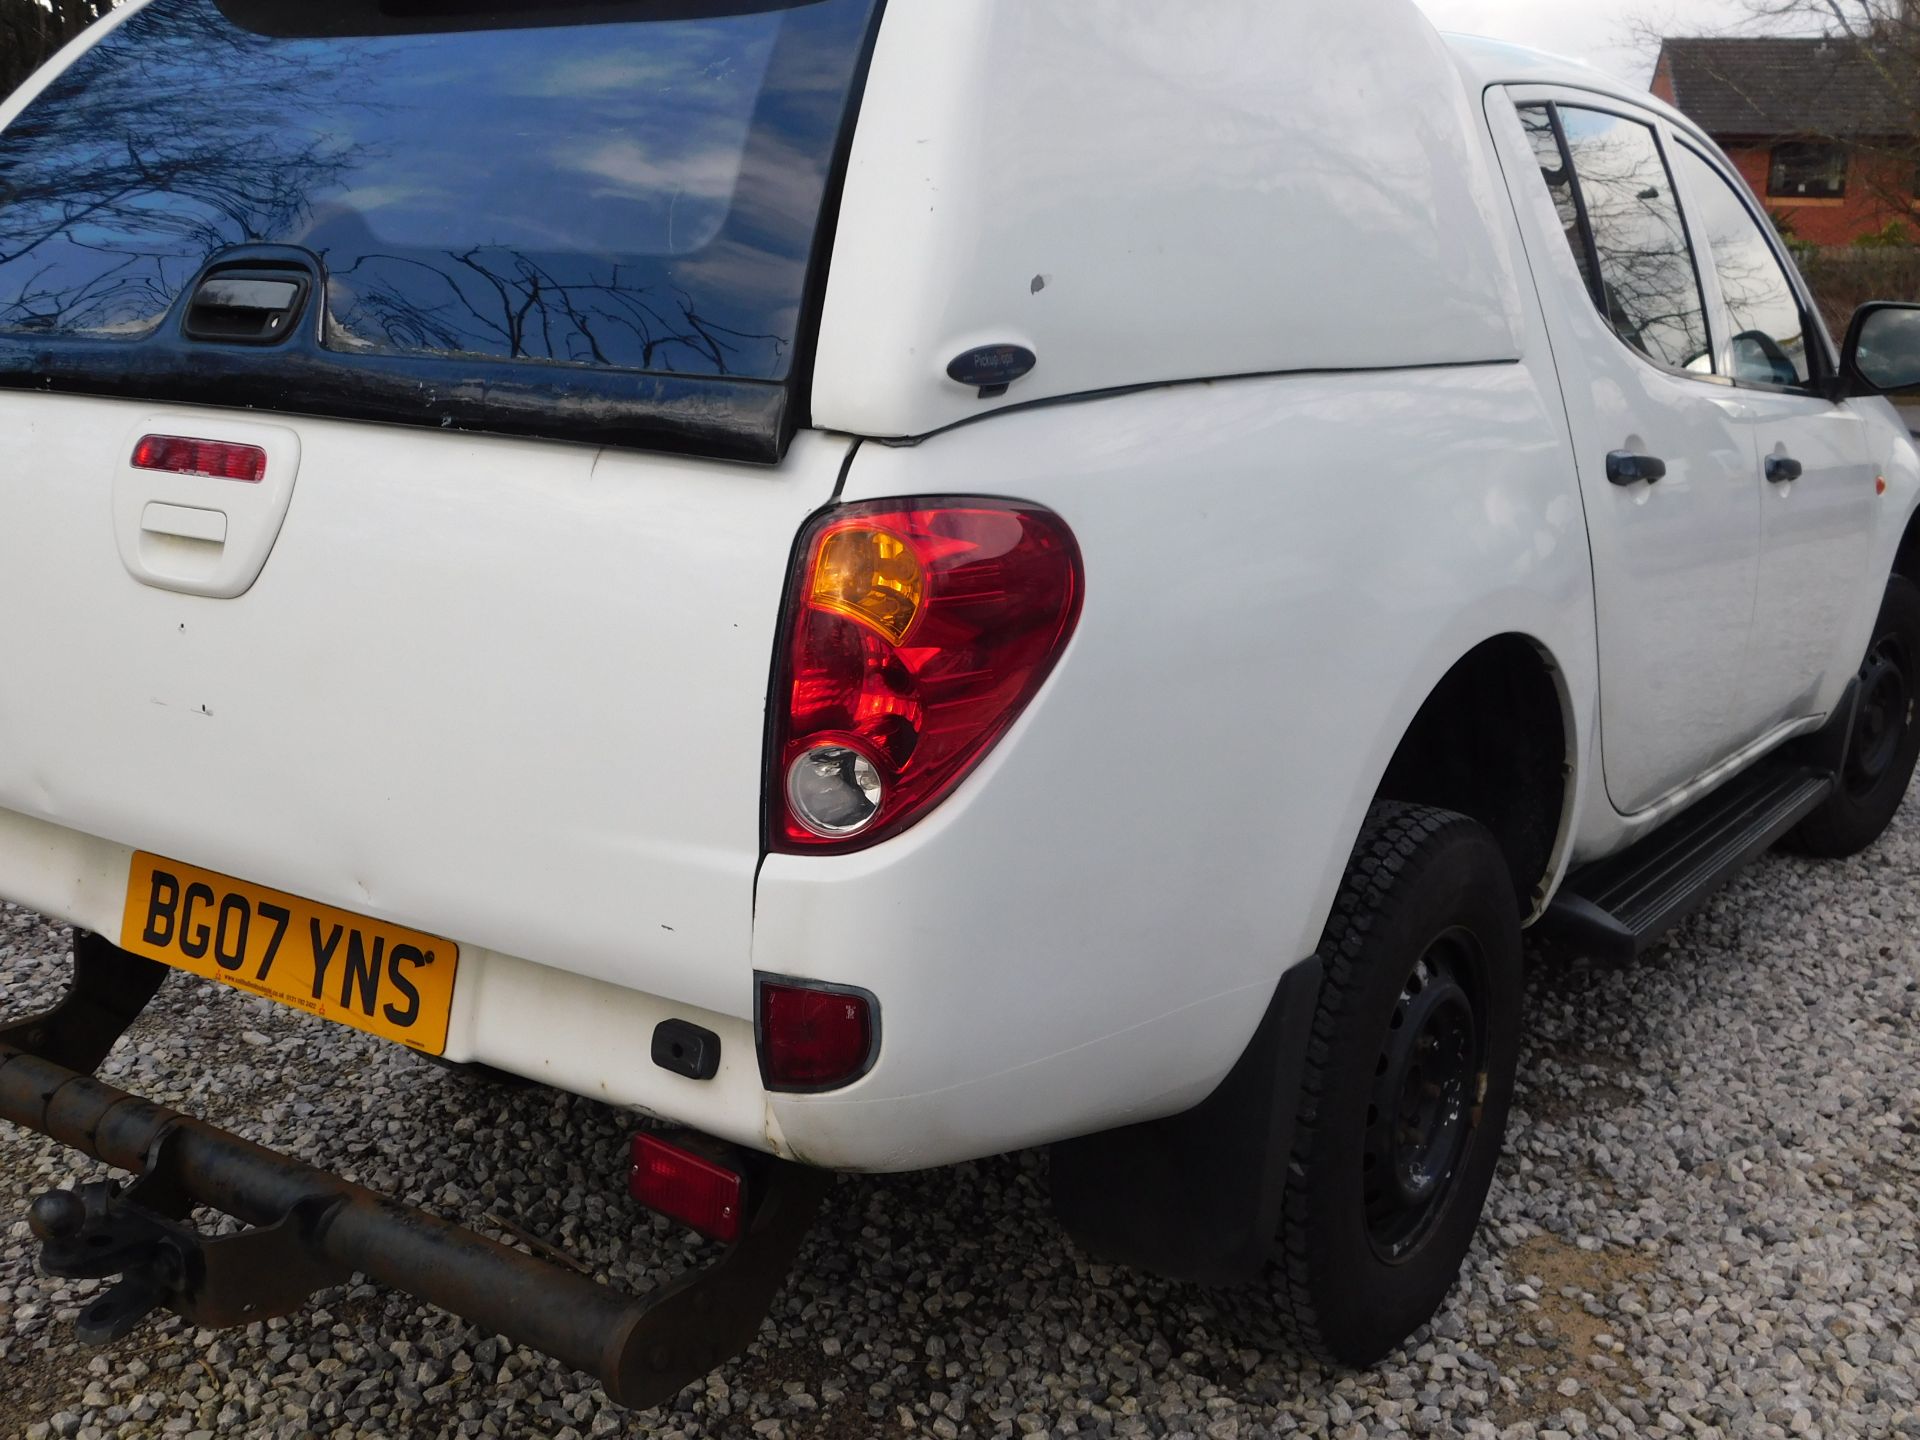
x: 1808, y: 170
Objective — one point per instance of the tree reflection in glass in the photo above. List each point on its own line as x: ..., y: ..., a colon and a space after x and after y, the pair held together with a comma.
x: 1769, y: 341
x: 1648, y: 286
x: 639, y: 193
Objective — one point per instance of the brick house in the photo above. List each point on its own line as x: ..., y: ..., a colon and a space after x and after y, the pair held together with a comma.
x: 1821, y: 128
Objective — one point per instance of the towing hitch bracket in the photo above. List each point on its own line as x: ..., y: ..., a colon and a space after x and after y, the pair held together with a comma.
x: 309, y: 1229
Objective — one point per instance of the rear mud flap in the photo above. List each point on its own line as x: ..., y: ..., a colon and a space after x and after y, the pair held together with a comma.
x: 310, y: 1229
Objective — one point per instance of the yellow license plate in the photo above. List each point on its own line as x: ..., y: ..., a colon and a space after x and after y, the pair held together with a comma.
x: 390, y: 982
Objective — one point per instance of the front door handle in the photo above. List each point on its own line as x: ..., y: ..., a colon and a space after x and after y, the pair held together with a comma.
x: 1783, y: 469
x: 1626, y: 468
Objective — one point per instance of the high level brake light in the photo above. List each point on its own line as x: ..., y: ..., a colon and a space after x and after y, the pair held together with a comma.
x: 920, y: 630
x: 214, y: 459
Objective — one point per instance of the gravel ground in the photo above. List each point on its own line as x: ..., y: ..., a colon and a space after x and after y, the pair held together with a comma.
x: 1706, y: 1226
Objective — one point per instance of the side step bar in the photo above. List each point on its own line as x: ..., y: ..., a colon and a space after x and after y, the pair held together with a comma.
x: 1617, y: 909
x: 313, y: 1230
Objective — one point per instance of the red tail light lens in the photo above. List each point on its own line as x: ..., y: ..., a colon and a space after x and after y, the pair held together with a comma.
x: 216, y: 459
x: 814, y: 1037
x: 919, y: 633
x: 688, y: 1188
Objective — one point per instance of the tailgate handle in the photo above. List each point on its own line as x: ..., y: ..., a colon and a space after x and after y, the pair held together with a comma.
x: 246, y: 307
x: 185, y: 522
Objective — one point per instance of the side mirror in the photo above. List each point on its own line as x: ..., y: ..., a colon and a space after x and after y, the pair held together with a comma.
x: 1882, y: 355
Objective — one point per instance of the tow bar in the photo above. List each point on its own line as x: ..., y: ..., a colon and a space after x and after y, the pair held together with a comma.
x: 311, y: 1230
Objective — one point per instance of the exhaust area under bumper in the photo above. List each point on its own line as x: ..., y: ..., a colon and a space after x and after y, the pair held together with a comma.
x: 311, y: 1229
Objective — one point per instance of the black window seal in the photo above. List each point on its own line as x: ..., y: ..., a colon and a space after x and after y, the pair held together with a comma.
x: 813, y: 301
x: 1595, y: 285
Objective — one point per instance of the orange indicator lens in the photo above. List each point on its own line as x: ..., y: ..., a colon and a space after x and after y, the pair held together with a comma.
x: 870, y: 575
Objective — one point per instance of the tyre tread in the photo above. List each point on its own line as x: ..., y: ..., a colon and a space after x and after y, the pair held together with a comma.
x: 1841, y: 827
x: 1392, y: 838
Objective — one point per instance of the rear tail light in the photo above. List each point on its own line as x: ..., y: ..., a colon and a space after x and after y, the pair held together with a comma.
x: 814, y: 1037
x: 215, y: 459
x: 920, y: 630
x: 686, y: 1187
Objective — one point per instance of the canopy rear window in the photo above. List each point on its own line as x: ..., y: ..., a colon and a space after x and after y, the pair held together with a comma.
x: 635, y: 188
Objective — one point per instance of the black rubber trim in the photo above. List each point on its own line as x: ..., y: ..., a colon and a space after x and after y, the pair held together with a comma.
x: 721, y: 419
x: 1112, y: 392
x: 1197, y: 1196
x: 686, y: 1049
x: 813, y: 301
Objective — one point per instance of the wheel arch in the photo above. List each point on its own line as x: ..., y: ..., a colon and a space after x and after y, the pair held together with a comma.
x: 1906, y: 559
x: 1495, y: 739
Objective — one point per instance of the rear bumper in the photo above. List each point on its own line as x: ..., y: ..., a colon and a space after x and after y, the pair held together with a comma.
x: 961, y: 1073
x: 572, y: 1032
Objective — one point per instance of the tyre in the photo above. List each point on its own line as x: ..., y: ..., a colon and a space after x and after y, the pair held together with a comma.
x: 1409, y: 1077
x: 1885, y: 741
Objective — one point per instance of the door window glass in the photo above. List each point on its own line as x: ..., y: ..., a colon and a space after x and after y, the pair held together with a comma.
x: 1769, y: 344
x: 1649, y: 289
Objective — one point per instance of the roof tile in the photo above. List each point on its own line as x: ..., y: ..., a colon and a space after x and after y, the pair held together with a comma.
x: 1769, y: 87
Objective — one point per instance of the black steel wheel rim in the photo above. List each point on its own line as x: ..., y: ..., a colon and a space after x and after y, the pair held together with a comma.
x: 1884, y: 716
x: 1427, y: 1086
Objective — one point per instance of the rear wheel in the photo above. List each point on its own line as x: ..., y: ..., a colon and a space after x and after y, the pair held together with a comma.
x: 1886, y: 740
x: 1408, y: 1080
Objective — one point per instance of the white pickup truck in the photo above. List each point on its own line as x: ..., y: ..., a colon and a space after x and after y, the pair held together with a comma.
x: 885, y: 581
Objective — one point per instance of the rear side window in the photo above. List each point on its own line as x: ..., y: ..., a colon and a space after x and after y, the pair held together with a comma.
x: 1638, y: 263
x: 1769, y: 328
x: 629, y: 184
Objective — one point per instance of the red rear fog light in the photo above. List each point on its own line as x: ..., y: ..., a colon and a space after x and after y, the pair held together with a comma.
x: 814, y: 1037
x: 215, y: 459
x: 690, y: 1188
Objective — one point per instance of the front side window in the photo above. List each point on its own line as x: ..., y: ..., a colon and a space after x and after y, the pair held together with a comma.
x: 1808, y: 170
x: 1640, y: 266
x: 1769, y: 328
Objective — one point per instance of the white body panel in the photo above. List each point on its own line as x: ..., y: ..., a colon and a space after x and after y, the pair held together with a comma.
x: 1095, y: 922
x: 1143, y: 192
x: 1816, y: 542
x: 457, y: 695
x: 514, y: 693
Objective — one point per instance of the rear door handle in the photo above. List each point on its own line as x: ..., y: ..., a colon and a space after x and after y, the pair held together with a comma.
x: 1783, y: 469
x: 1626, y: 468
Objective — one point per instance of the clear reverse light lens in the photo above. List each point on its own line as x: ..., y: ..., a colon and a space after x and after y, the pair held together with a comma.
x: 835, y: 791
